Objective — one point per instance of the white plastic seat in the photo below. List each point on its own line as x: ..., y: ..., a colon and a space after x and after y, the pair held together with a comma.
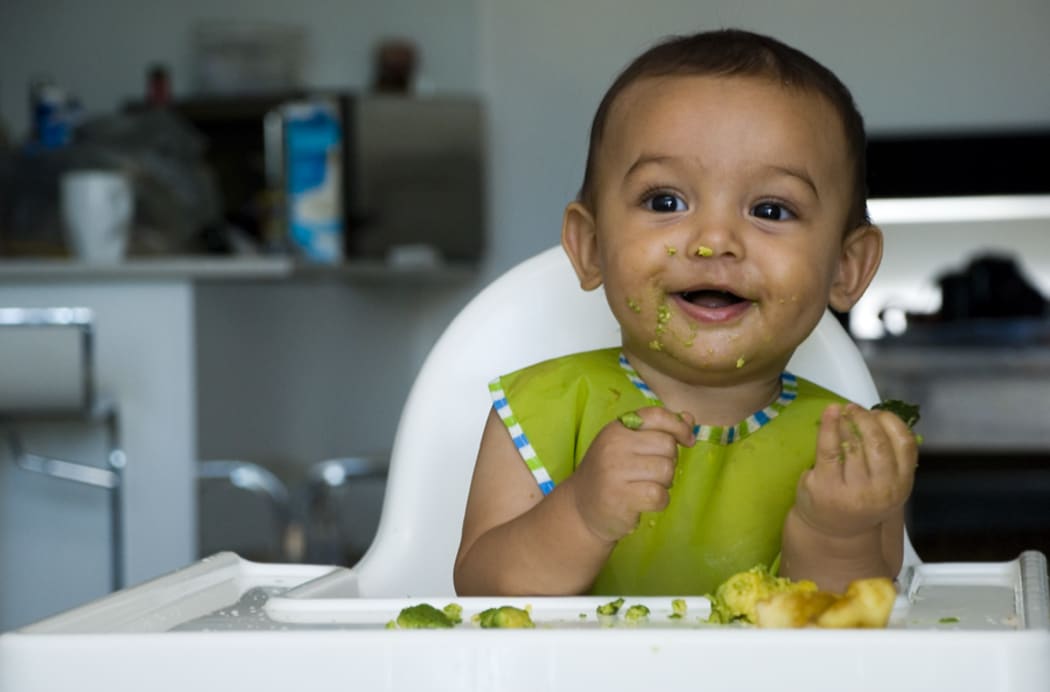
x: 533, y: 312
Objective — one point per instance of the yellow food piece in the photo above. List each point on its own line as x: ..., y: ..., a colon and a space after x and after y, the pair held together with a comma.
x: 866, y: 603
x: 793, y: 608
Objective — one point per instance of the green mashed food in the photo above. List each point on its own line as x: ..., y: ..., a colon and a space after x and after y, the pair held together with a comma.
x: 736, y: 598
x: 504, y: 617
x: 423, y: 616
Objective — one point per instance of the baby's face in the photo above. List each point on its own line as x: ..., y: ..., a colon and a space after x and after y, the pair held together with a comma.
x: 720, y: 209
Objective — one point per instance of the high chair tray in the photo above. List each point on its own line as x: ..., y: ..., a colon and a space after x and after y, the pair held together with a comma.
x: 225, y: 623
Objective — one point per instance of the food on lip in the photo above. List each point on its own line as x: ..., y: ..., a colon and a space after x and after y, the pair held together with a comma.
x: 504, y: 617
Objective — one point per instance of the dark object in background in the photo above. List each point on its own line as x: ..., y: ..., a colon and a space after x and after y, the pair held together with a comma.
x: 175, y: 195
x: 959, y: 163
x: 395, y: 66
x: 990, y: 287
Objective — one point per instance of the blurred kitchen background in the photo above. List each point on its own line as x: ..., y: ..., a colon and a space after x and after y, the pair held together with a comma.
x: 318, y: 186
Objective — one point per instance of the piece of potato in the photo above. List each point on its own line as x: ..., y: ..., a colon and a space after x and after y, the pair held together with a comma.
x: 793, y: 608
x: 866, y: 603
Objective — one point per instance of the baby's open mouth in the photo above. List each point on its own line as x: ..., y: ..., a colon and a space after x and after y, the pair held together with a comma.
x: 711, y: 299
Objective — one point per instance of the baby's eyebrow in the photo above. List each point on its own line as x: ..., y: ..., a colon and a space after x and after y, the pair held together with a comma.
x: 646, y: 160
x: 798, y: 173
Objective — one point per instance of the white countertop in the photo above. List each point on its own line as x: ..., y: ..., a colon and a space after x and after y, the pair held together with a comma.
x: 212, y: 268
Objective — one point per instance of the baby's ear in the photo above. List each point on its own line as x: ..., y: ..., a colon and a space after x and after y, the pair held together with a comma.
x: 579, y: 238
x: 860, y: 258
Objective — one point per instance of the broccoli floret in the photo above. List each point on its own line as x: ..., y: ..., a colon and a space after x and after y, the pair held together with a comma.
x: 635, y: 613
x: 504, y: 617
x: 423, y: 616
x: 909, y: 413
x: 610, y: 608
x: 678, y: 608
x: 454, y: 612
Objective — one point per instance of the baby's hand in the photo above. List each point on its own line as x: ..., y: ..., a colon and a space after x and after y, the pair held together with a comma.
x: 628, y: 470
x: 863, y: 472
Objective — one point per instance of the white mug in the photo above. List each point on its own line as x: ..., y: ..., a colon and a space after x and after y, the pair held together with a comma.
x: 97, y: 207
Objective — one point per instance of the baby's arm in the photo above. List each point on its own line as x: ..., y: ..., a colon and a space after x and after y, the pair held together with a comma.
x: 848, y: 518
x: 517, y: 542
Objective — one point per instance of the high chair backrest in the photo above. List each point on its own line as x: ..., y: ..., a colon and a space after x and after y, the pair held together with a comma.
x: 533, y: 312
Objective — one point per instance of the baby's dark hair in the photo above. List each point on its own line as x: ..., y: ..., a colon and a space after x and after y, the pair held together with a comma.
x: 734, y: 52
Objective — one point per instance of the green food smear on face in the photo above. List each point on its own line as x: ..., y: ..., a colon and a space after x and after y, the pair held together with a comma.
x: 504, y: 617
x: 663, y: 314
x: 633, y: 305
x: 631, y: 420
x: 423, y: 616
x: 704, y: 251
x: 636, y: 613
x: 655, y: 345
x: 671, y: 251
x: 610, y: 608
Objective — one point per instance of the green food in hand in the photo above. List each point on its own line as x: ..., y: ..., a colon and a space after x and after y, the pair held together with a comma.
x: 631, y: 420
x: 504, y: 617
x: 423, y: 616
x: 610, y: 608
x: 909, y: 413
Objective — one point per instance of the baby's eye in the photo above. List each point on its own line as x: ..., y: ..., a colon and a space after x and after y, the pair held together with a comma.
x: 772, y: 211
x: 664, y: 202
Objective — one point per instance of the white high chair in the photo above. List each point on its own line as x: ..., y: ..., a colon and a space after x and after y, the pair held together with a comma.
x: 533, y: 312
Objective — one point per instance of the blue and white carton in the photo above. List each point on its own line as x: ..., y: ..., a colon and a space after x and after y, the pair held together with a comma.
x: 313, y: 174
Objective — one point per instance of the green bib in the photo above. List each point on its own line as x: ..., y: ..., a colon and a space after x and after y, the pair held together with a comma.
x: 732, y: 489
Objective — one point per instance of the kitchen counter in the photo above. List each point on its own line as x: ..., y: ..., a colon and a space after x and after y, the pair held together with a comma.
x: 261, y: 359
x: 989, y: 398
x: 218, y: 268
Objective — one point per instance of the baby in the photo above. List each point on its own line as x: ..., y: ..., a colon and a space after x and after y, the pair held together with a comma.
x: 723, y: 209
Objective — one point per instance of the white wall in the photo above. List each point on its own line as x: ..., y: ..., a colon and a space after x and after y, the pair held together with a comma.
x: 101, y: 49
x: 911, y: 65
